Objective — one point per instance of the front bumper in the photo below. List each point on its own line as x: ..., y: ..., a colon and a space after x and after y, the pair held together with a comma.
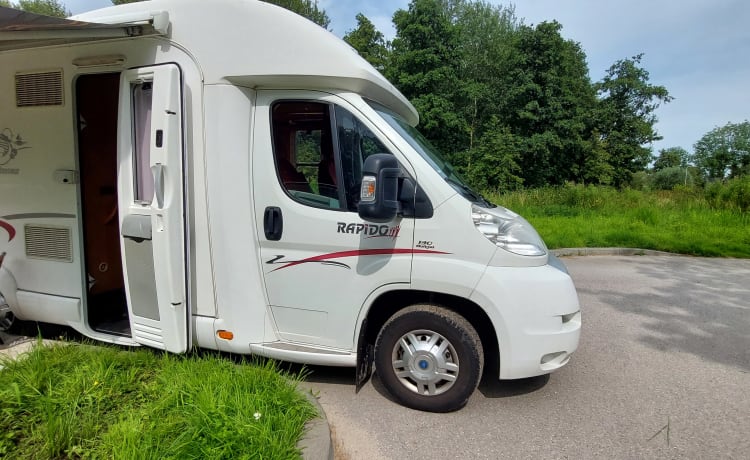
x: 536, y: 315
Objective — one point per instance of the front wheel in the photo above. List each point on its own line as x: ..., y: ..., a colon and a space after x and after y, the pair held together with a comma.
x: 429, y: 358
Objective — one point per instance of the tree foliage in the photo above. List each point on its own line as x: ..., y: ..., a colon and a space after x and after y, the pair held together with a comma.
x: 549, y: 101
x: 422, y: 65
x: 724, y: 152
x: 52, y: 8
x: 670, y: 158
x: 495, y: 162
x: 369, y: 42
x: 482, y: 79
x: 626, y: 116
x: 484, y: 42
x: 670, y: 177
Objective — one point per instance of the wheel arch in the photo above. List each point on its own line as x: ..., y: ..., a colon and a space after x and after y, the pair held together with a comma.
x: 390, y: 302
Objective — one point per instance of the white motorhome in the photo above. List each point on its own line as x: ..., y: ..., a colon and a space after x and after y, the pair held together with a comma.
x: 229, y: 175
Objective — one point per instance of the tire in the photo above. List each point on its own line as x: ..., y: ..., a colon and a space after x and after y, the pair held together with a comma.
x: 419, y: 375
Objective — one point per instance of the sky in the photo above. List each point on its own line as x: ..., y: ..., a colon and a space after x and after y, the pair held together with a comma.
x: 698, y: 49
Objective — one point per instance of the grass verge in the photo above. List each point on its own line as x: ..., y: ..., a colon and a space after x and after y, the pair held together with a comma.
x: 85, y: 401
x: 682, y: 221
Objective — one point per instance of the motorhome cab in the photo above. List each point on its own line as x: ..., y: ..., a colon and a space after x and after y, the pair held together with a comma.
x: 229, y: 175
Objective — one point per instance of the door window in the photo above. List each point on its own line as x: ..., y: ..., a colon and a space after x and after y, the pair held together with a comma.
x: 319, y: 150
x: 144, y: 178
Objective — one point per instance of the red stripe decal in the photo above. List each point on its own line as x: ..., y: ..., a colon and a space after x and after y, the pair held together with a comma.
x: 359, y: 252
x: 8, y: 228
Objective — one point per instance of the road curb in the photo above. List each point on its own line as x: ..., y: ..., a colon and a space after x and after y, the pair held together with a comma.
x: 570, y: 252
x: 316, y: 443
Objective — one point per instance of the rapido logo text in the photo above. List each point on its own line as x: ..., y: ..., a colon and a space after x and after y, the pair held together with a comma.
x: 369, y: 230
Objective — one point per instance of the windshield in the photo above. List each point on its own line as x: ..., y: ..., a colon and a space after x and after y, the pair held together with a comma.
x: 431, y: 155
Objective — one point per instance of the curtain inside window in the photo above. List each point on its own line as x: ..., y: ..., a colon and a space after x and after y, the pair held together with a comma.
x: 144, y: 179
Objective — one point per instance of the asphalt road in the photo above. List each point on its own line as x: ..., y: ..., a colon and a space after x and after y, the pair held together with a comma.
x: 662, y: 371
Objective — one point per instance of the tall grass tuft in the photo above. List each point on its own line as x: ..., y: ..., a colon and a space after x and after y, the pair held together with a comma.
x: 687, y: 220
x: 84, y: 401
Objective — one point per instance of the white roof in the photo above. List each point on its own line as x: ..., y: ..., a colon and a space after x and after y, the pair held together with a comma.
x: 257, y: 44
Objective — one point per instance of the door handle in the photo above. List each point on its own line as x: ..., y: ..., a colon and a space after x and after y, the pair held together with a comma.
x: 158, y: 172
x: 273, y: 223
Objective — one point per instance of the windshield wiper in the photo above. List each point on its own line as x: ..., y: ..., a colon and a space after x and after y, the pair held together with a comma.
x: 469, y: 193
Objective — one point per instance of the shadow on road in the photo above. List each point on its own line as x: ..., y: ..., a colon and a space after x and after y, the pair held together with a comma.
x: 491, y: 387
x: 323, y: 374
x: 702, y: 307
x: 24, y: 331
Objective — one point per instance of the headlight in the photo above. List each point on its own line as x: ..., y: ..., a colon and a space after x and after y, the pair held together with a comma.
x: 508, y: 230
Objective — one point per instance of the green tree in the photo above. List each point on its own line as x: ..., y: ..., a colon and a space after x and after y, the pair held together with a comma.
x: 480, y: 78
x: 671, y: 157
x: 495, y: 159
x: 485, y: 34
x: 626, y: 116
x: 594, y: 166
x: 422, y: 65
x: 549, y: 101
x: 369, y: 42
x: 5, y: 3
x: 724, y: 152
x: 52, y: 8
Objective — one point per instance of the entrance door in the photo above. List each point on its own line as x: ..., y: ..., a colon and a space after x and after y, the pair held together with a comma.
x: 150, y: 184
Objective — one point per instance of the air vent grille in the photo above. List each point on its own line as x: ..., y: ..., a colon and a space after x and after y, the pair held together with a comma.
x: 49, y: 243
x: 39, y: 89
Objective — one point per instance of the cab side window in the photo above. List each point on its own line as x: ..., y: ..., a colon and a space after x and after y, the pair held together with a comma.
x: 355, y: 143
x: 302, y: 143
x: 319, y: 150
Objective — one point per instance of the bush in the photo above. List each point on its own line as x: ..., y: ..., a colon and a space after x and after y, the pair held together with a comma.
x: 669, y: 178
x: 733, y: 194
x: 640, y: 180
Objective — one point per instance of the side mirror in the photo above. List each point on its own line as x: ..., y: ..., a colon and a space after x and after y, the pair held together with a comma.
x: 378, y: 198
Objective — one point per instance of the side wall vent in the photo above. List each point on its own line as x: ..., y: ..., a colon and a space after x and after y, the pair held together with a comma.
x: 39, y: 89
x: 49, y: 243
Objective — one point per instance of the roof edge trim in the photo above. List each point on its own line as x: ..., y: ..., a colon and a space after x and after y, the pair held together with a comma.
x: 159, y: 20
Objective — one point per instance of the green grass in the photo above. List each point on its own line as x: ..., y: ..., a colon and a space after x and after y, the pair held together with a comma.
x: 682, y: 221
x: 85, y: 401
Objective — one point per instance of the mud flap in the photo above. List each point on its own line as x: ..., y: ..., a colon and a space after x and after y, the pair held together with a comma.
x: 365, y: 352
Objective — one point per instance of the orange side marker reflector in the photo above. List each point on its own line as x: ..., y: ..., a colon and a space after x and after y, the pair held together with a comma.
x: 226, y: 335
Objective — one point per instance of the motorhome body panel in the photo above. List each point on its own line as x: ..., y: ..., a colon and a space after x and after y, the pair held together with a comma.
x: 39, y: 184
x: 240, y: 295
x: 39, y: 209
